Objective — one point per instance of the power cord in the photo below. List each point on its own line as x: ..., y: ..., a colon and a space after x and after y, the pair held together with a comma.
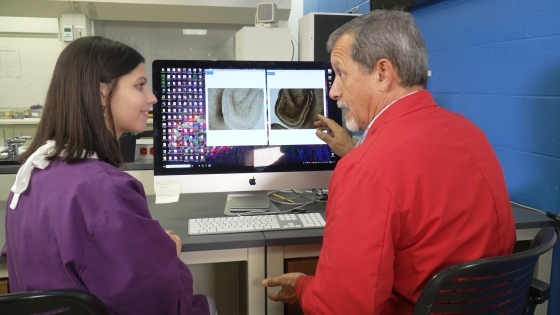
x: 257, y: 212
x: 315, y: 195
x: 293, y: 50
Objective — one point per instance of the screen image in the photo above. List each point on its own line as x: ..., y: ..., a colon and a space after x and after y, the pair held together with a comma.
x: 295, y: 108
x: 242, y: 125
x: 235, y: 109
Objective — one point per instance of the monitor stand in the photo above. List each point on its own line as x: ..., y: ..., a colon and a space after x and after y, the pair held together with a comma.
x: 242, y: 202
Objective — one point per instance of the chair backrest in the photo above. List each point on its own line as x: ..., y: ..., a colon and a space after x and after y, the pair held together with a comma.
x: 64, y: 302
x: 498, y: 285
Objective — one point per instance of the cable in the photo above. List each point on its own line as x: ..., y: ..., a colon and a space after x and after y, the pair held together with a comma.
x: 354, y: 9
x: 527, y: 207
x: 283, y: 200
x: 313, y: 196
x: 294, y: 39
x: 293, y: 49
x: 257, y: 212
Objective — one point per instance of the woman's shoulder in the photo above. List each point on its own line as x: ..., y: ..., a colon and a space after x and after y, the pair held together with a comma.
x: 91, y: 175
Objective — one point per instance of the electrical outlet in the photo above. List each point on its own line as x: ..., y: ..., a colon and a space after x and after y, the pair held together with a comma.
x: 80, y: 31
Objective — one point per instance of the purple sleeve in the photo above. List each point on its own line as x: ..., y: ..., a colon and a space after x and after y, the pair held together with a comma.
x: 131, y: 264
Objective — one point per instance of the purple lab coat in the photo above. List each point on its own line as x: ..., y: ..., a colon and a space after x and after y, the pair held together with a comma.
x: 87, y: 226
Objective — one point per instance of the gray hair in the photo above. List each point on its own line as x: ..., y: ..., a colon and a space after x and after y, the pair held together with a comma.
x: 387, y: 34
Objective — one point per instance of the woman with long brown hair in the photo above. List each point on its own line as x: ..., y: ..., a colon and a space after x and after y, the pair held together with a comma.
x: 73, y: 218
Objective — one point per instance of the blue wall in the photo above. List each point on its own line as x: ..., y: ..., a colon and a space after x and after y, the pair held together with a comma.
x: 498, y: 63
x: 338, y: 6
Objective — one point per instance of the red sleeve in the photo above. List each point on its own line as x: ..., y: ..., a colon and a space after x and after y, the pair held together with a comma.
x: 301, y: 284
x: 355, y: 270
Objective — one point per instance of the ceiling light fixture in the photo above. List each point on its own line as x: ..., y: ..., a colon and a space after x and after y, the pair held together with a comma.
x: 190, y: 31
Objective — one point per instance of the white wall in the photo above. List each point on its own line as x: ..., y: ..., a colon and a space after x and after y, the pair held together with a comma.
x: 155, y: 40
x: 38, y: 48
x: 166, y: 41
x: 37, y: 57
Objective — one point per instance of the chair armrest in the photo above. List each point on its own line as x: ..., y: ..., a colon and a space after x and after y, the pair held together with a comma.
x: 539, y: 291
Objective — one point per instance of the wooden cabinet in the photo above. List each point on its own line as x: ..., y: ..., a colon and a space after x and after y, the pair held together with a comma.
x: 306, y: 265
x: 4, y: 287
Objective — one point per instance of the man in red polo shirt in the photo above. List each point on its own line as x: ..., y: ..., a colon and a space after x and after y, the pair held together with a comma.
x: 421, y: 191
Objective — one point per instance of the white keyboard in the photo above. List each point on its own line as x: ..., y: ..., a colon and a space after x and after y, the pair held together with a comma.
x: 255, y: 223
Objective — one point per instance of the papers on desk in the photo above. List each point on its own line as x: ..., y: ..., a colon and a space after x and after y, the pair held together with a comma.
x: 167, y: 191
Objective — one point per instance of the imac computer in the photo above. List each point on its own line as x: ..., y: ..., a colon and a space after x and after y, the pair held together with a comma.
x: 242, y: 127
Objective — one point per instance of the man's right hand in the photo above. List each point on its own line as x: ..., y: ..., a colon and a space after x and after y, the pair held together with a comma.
x: 333, y: 135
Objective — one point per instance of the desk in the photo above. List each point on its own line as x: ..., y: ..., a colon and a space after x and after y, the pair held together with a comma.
x: 264, y: 252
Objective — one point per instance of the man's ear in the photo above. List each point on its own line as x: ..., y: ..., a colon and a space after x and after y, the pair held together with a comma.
x: 385, y: 72
x: 104, y: 90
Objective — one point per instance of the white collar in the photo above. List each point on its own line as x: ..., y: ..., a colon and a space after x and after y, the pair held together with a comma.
x: 381, y: 112
x: 37, y: 160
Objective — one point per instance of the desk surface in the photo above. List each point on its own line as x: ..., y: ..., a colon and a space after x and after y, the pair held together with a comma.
x: 129, y: 166
x: 174, y: 217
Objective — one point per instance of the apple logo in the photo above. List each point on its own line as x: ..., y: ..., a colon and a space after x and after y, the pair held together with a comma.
x: 252, y: 181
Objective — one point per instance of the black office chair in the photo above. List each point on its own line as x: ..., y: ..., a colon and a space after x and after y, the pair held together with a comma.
x: 64, y: 302
x: 499, y: 285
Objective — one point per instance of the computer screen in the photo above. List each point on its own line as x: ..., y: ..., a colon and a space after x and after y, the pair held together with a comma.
x: 242, y: 126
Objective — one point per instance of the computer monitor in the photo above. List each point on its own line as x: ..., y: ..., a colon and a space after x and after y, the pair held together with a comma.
x: 242, y: 127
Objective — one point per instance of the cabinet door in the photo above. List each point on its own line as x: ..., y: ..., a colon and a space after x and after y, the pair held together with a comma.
x: 6, y: 132
x: 305, y: 265
x: 4, y: 289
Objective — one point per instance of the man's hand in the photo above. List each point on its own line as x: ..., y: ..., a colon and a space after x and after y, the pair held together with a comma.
x: 287, y: 281
x: 334, y: 135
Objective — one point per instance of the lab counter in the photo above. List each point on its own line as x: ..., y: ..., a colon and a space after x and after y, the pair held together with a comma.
x: 10, y: 167
x: 264, y: 253
x: 174, y: 216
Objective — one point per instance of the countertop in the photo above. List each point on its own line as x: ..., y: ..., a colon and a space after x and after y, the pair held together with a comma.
x: 138, y: 165
x: 174, y: 216
x: 34, y: 121
x: 25, y: 121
